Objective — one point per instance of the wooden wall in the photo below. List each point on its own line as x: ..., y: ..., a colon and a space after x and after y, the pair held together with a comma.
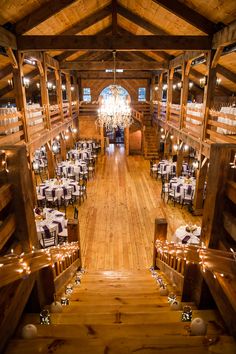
x: 87, y: 127
x: 135, y: 141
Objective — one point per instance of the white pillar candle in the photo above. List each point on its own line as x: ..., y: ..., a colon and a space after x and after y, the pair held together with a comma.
x: 56, y: 307
x: 198, y: 327
x: 29, y: 331
x: 175, y: 306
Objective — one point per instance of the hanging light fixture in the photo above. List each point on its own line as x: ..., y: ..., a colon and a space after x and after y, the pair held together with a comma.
x: 114, y: 110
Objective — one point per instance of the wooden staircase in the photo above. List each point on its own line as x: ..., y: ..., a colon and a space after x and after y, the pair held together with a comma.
x: 114, y: 312
x: 150, y: 145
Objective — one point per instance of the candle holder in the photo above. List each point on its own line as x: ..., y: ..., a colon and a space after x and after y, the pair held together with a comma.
x: 77, y: 281
x: 69, y: 289
x: 45, y: 317
x: 65, y: 301
x: 186, y: 314
x: 171, y: 297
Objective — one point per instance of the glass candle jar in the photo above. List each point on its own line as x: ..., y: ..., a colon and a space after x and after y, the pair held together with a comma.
x: 45, y: 317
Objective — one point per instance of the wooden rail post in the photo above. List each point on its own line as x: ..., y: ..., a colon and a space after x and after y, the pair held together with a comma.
x: 160, y: 233
x: 74, y: 234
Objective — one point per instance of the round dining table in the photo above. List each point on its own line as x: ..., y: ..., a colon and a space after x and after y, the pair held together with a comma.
x: 187, y: 234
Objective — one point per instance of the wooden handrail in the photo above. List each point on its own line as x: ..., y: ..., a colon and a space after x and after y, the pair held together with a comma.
x: 14, y: 267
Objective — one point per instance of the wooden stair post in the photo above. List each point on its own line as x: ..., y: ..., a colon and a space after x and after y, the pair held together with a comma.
x: 74, y: 234
x: 160, y: 233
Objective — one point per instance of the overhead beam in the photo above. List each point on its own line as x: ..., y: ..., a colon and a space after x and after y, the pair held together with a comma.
x: 178, y: 61
x: 139, y: 21
x: 229, y: 75
x: 225, y: 37
x: 114, y: 16
x: 7, y: 70
x: 7, y: 39
x: 88, y: 21
x: 98, y: 65
x: 44, y: 12
x: 188, y: 15
x: 117, y: 42
x: 109, y: 76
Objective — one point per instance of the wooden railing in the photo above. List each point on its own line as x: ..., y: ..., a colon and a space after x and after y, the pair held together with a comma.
x: 66, y: 110
x: 55, y: 114
x: 137, y: 115
x: 193, y: 121
x: 8, y: 223
x: 162, y: 110
x: 174, y: 114
x: 88, y: 108
x: 221, y: 127
x: 36, y: 121
x: 11, y: 127
x: 74, y: 109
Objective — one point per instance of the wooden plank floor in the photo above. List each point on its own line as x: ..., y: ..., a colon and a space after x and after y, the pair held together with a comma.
x: 117, y: 219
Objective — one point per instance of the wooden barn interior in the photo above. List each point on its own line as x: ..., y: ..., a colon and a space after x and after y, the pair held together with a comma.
x: 117, y: 176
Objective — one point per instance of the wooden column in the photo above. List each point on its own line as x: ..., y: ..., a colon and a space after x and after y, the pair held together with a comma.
x: 68, y: 92
x: 74, y: 234
x: 126, y: 133
x: 63, y: 147
x: 184, y: 94
x: 200, y: 185
x: 44, y: 93
x: 169, y: 92
x: 159, y: 94
x: 180, y: 158
x: 59, y: 92
x: 152, y: 85
x: 20, y: 92
x: 51, y: 161
x: 160, y: 233
x: 102, y: 141
x: 212, y: 223
x: 79, y: 80
x: 209, y: 91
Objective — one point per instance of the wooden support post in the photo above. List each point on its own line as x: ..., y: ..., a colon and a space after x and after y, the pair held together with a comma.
x: 63, y: 147
x: 199, y: 189
x: 184, y: 95
x: 180, y: 158
x: 74, y: 234
x: 68, y: 92
x: 126, y: 131
x: 102, y: 140
x: 19, y: 89
x: 44, y: 94
x: 152, y: 85
x: 159, y: 95
x: 51, y: 161
x: 59, y: 92
x: 160, y: 233
x: 169, y: 92
x: 215, y: 202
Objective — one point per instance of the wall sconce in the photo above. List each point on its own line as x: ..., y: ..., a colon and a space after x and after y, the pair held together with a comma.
x: 164, y: 87
x: 176, y: 147
x: 190, y: 85
x: 161, y: 130
x: 156, y: 88
x: 163, y: 136
x: 49, y: 85
x: 29, y: 61
x: 195, y: 164
x: 203, y: 81
x: 180, y: 85
x: 63, y: 87
x: 66, y: 137
x: 172, y: 137
x: 218, y: 81
x: 10, y: 83
x: 72, y: 88
x: 25, y: 82
x: 233, y: 164
x: 74, y: 130
x: 55, y: 148
x: 38, y: 85
x: 174, y: 87
x: 35, y: 165
x: 58, y: 137
x: 186, y: 147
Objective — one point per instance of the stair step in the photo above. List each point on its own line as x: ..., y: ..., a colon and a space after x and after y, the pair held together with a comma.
x: 143, y: 344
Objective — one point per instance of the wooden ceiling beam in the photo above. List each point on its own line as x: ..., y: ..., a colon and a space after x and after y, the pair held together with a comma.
x: 7, y: 70
x: 139, y: 21
x: 89, y: 21
x: 103, y: 65
x: 114, y: 16
x: 44, y: 12
x: 225, y: 36
x: 188, y: 15
x: 102, y: 42
x: 87, y: 75
x: 7, y: 39
x: 228, y: 74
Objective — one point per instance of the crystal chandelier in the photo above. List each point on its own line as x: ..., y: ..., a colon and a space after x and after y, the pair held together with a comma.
x: 114, y: 110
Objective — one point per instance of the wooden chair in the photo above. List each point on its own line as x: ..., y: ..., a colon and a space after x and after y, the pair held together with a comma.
x: 47, y: 241
x: 174, y: 195
x: 51, y: 199
x: 188, y: 197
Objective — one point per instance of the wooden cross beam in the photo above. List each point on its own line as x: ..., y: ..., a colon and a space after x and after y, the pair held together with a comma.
x: 187, y: 14
x: 98, y: 65
x: 7, y: 39
x: 225, y: 37
x: 117, y: 42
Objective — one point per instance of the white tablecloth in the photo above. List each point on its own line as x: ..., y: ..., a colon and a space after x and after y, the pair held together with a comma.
x: 232, y: 122
x: 67, y: 167
x: 79, y: 154
x: 183, y: 236
x: 182, y: 184
x: 191, y: 110
x: 58, y: 186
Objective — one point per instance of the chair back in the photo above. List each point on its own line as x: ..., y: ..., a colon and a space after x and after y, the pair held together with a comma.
x: 47, y: 241
x: 76, y: 213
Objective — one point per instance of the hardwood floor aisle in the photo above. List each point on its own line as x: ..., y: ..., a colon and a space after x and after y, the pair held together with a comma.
x: 117, y: 219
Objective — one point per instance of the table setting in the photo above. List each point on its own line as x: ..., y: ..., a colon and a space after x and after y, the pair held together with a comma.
x: 59, y: 187
x: 187, y: 234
